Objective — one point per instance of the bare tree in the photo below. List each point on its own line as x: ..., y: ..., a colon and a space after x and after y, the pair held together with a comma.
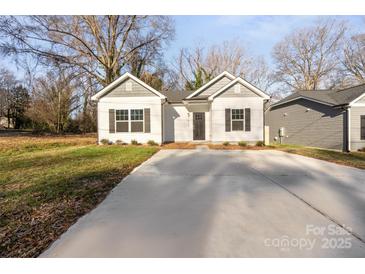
x: 235, y: 58
x: 354, y: 59
x: 191, y: 71
x: 196, y: 67
x: 307, y: 59
x: 7, y: 85
x: 54, y: 99
x: 101, y: 46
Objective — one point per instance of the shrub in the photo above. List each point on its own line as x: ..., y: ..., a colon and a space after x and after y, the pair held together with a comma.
x: 226, y: 143
x: 362, y: 149
x: 134, y: 142
x: 119, y: 142
x: 104, y: 141
x: 242, y: 144
x: 152, y: 143
x: 260, y: 143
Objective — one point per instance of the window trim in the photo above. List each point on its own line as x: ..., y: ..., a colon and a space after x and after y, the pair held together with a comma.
x: 235, y: 120
x: 115, y: 120
x: 143, y: 121
x: 129, y: 115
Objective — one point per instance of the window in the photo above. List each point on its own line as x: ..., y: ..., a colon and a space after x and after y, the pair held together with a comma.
x: 129, y: 86
x: 136, y: 120
x: 362, y: 127
x: 237, y: 119
x: 121, y: 115
x: 121, y: 120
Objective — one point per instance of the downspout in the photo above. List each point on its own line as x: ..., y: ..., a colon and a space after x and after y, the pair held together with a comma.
x: 264, y: 116
x: 349, y: 129
x: 163, y: 102
x: 263, y: 120
x: 210, y: 122
x: 97, y: 123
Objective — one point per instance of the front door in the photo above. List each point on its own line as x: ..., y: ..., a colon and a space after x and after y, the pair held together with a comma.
x: 198, y: 126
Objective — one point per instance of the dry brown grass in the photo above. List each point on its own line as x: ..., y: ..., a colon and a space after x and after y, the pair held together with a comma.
x: 352, y: 159
x: 16, y: 144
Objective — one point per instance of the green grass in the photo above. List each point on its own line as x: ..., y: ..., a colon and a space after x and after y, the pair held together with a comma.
x: 46, y: 186
x: 353, y: 159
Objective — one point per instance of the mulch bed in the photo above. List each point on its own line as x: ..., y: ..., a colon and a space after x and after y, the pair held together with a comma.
x: 237, y: 147
x: 186, y: 145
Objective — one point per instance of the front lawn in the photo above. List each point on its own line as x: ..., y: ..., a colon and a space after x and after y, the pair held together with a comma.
x: 353, y: 159
x: 47, y: 183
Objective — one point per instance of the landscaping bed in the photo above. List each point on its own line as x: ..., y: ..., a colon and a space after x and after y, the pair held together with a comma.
x: 180, y: 145
x: 47, y: 183
x: 238, y: 147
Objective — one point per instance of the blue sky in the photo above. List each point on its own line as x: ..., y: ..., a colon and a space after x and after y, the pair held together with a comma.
x: 258, y: 33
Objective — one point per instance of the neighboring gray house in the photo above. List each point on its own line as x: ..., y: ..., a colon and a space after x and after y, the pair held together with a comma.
x: 326, y: 119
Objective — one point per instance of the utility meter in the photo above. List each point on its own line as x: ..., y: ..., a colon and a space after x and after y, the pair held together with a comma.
x: 282, y: 132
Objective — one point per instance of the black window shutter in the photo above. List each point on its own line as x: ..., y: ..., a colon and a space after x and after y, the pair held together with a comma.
x: 362, y: 127
x: 247, y: 119
x: 228, y: 119
x: 111, y: 121
x: 147, y: 120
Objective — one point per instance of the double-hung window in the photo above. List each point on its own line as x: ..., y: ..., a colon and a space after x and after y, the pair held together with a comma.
x: 121, y: 120
x: 237, y: 119
x: 137, y: 120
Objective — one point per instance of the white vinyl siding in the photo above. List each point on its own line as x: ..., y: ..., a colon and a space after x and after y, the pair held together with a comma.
x: 217, y: 128
x: 356, y: 141
x: 130, y: 103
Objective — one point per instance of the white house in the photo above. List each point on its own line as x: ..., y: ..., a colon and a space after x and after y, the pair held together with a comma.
x: 227, y: 108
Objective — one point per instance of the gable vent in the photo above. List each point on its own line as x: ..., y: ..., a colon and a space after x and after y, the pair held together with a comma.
x: 237, y: 89
x: 129, y: 86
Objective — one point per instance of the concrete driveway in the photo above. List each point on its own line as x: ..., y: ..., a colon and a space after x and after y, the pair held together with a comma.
x: 191, y: 203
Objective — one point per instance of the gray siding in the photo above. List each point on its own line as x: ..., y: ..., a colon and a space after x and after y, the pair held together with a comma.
x: 356, y: 142
x: 244, y: 92
x: 321, y: 126
x: 216, y: 86
x: 137, y: 90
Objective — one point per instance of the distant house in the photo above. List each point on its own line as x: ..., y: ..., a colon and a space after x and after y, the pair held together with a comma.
x: 325, y: 119
x: 227, y: 108
x: 5, y: 122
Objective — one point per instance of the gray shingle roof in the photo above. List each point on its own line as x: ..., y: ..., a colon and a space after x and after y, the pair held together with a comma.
x: 331, y: 97
x: 346, y: 96
x: 174, y: 96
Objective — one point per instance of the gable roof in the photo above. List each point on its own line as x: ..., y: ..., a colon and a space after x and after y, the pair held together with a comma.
x: 211, y: 82
x: 244, y: 83
x: 118, y: 81
x: 327, y: 97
